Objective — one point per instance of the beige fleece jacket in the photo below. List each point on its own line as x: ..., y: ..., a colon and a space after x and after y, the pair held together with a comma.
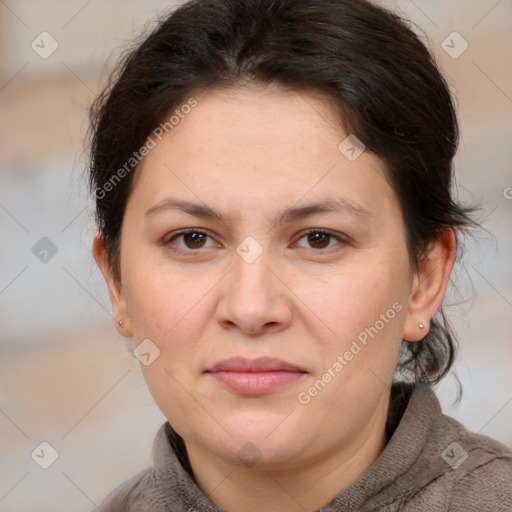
x: 431, y: 463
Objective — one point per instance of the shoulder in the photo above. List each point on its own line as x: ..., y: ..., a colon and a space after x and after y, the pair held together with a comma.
x: 137, y: 494
x: 486, y: 487
x: 482, y: 478
x: 442, y: 465
x: 469, y: 472
x: 158, y: 488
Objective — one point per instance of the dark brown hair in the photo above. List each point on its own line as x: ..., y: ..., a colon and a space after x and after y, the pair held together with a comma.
x: 378, y: 74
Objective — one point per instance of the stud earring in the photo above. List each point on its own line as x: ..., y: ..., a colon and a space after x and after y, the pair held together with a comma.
x: 121, y: 324
x: 422, y: 326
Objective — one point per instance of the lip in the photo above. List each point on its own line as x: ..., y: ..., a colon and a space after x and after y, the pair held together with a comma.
x: 255, y: 376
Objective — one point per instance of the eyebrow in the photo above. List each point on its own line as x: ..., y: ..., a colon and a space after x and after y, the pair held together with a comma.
x: 292, y: 214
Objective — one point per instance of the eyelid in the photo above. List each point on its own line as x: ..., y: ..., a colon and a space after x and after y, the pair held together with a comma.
x: 342, y: 239
x: 172, y: 236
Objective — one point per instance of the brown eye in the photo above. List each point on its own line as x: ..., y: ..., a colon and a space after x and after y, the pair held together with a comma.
x: 190, y: 240
x: 320, y: 239
x: 194, y: 240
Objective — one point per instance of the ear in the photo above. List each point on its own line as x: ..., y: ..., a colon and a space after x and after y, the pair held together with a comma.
x: 429, y: 285
x: 115, y: 289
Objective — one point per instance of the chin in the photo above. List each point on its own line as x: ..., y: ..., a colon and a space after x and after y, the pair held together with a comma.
x: 268, y: 441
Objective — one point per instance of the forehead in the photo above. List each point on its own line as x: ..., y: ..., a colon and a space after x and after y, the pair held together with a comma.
x: 258, y: 146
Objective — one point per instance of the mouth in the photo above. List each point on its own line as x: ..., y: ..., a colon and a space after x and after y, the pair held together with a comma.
x: 255, y: 376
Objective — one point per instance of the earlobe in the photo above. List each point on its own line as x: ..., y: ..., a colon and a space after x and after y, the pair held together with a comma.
x: 429, y: 286
x: 120, y: 317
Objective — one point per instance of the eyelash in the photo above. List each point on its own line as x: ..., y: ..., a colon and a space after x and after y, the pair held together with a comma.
x: 341, y: 240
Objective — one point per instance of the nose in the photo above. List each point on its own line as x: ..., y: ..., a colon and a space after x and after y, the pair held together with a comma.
x: 254, y: 298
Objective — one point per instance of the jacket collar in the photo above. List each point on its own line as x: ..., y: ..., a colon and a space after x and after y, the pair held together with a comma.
x: 400, y: 466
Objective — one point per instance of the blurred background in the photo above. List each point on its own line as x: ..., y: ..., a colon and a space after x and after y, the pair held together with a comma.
x: 66, y: 377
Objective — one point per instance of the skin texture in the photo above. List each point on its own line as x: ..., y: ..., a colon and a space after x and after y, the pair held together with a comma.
x: 249, y: 155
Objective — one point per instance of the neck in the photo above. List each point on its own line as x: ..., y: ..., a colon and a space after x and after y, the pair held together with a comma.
x: 241, y: 489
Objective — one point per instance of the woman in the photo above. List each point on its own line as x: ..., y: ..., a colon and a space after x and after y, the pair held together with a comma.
x: 276, y: 230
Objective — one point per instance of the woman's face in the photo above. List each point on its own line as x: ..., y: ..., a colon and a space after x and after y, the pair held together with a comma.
x: 297, y: 254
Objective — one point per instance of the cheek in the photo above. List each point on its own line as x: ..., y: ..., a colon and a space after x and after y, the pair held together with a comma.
x: 171, y: 312
x: 159, y: 300
x: 347, y: 302
x: 365, y: 313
